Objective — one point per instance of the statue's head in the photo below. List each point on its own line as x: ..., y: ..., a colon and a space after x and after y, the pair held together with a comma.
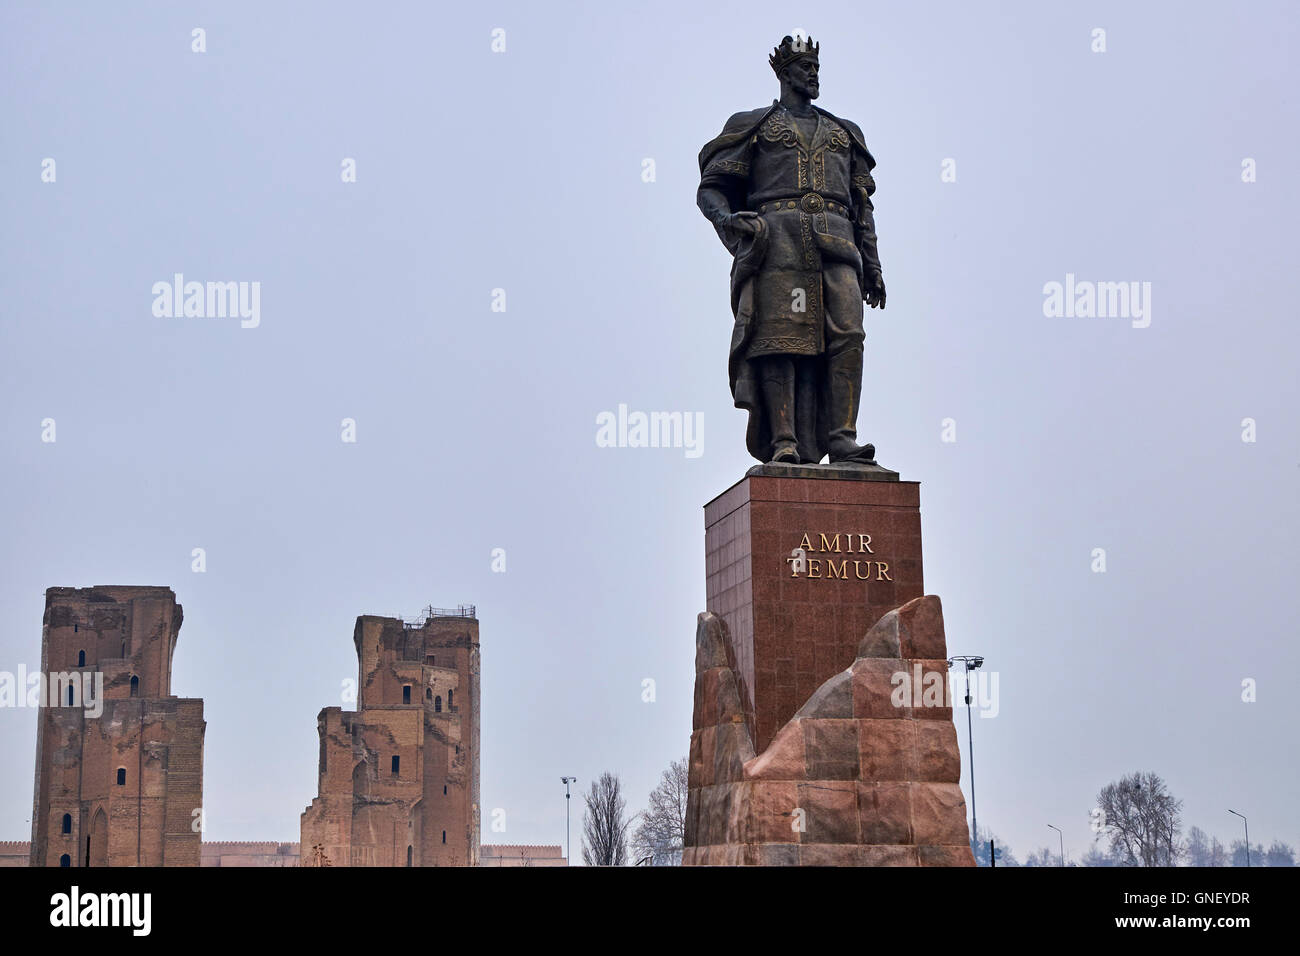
x: 796, y: 65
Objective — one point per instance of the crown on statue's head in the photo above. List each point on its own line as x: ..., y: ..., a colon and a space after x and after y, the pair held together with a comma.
x: 791, y: 49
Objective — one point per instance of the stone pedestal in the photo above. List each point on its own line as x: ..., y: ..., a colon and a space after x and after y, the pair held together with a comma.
x: 793, y: 625
x: 823, y: 731
x: 864, y: 774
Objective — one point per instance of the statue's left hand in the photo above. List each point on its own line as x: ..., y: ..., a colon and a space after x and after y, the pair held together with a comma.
x: 873, y: 290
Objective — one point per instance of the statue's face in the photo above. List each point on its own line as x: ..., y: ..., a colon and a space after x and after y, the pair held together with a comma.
x: 802, y: 77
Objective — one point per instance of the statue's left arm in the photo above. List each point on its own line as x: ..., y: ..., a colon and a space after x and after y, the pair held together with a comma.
x: 864, y: 186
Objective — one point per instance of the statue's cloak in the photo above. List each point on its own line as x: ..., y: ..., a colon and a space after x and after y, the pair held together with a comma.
x: 748, y: 253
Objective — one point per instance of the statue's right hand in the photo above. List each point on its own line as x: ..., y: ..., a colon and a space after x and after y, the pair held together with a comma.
x: 744, y: 223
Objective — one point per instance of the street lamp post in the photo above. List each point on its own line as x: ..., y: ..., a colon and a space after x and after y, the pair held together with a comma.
x: 971, y: 663
x: 1247, y: 826
x: 568, y: 857
x: 1062, y: 838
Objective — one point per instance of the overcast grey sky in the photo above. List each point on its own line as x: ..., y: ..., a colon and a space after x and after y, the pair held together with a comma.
x: 522, y: 171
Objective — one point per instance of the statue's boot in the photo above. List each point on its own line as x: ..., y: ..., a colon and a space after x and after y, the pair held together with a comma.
x: 845, y: 371
x: 778, y: 396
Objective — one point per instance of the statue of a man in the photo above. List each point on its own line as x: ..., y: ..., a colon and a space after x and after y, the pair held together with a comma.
x: 788, y: 187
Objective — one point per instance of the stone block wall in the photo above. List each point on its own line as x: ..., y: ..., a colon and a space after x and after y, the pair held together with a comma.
x: 865, y: 774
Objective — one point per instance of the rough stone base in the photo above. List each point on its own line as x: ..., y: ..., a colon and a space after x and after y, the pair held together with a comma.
x: 865, y: 774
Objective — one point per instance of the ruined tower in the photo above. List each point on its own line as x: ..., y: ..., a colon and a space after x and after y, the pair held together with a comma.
x: 398, y: 781
x: 119, y: 760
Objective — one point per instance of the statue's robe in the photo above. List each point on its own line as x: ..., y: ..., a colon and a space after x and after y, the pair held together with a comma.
x: 816, y: 238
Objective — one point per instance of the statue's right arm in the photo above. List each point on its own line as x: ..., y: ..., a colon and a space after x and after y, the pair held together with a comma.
x: 717, y: 209
x: 713, y: 203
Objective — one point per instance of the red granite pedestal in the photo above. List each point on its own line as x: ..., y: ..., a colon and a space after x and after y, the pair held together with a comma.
x: 823, y: 728
x: 791, y: 629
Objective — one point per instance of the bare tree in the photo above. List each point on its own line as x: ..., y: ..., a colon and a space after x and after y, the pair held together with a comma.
x: 661, y: 832
x: 1097, y: 857
x: 1043, y: 856
x: 1142, y: 820
x: 1199, y: 849
x: 1280, y: 854
x: 318, y: 857
x: 1239, y: 856
x: 605, y: 823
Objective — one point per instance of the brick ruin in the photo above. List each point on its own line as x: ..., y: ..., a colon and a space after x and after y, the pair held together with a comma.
x: 15, y: 852
x: 509, y: 854
x: 119, y: 760
x: 123, y: 788
x: 249, y: 853
x: 398, y: 778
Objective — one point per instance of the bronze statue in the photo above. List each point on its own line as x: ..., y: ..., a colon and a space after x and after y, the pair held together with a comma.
x: 788, y: 188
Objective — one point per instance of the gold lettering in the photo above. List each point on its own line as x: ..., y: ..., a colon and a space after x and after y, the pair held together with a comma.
x: 806, y: 544
x: 826, y: 545
x: 814, y: 564
x: 882, y: 571
x: 794, y: 566
x: 843, y: 574
x: 857, y: 571
x: 865, y: 546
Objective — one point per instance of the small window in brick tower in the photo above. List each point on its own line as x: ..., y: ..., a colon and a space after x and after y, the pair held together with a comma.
x: 444, y: 789
x: 81, y: 658
x: 428, y: 693
x: 69, y: 696
x: 121, y: 776
x: 408, y: 856
x: 135, y: 687
x: 65, y: 860
x: 444, y: 836
x: 67, y: 823
x: 437, y: 704
x: 397, y: 762
x: 449, y: 704
x: 406, y: 693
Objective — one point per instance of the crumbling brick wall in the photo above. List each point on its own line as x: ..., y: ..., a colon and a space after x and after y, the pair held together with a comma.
x: 417, y: 701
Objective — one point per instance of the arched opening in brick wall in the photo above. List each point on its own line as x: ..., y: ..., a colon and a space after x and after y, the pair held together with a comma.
x: 97, y: 842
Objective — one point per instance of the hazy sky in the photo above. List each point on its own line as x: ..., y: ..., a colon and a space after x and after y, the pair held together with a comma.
x: 475, y: 429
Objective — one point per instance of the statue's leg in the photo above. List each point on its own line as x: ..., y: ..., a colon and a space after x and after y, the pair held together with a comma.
x: 805, y: 407
x: 844, y: 338
x: 777, y: 374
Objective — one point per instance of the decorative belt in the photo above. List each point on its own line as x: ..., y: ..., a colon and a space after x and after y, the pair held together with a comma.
x: 811, y: 203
